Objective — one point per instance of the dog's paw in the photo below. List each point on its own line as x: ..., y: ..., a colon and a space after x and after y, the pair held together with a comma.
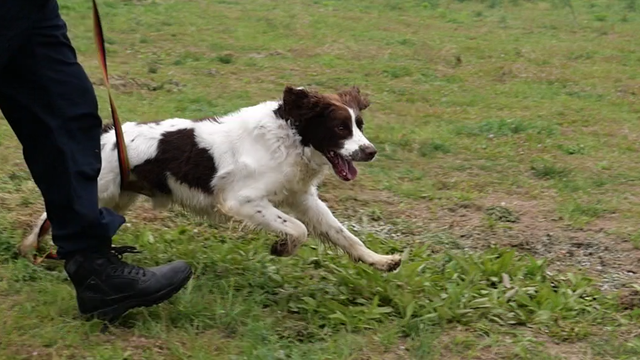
x: 281, y: 248
x: 388, y: 263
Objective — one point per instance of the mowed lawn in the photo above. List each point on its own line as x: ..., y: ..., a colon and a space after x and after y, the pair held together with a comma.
x: 508, y: 174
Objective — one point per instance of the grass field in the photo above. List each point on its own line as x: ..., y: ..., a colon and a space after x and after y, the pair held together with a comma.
x: 508, y: 172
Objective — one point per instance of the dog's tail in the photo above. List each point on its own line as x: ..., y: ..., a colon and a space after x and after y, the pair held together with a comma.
x: 39, y: 231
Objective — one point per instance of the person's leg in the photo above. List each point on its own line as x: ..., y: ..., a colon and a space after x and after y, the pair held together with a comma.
x: 51, y: 106
x: 49, y: 102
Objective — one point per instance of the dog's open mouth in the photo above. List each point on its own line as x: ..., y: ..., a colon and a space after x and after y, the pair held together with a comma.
x: 342, y: 166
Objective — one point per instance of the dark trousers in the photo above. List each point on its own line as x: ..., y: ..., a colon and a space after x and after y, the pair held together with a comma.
x: 49, y: 102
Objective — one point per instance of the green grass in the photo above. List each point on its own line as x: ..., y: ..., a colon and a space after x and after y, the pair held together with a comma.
x: 508, y: 143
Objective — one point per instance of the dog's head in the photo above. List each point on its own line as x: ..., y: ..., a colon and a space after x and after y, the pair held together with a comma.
x: 331, y: 124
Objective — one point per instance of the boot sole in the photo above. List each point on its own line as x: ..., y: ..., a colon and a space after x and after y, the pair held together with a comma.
x: 113, y: 313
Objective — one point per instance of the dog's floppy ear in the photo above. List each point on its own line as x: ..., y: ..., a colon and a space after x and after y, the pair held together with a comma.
x: 299, y: 103
x: 295, y: 95
x: 353, y: 98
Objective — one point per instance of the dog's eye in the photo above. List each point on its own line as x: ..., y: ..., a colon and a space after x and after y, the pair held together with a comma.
x: 341, y: 128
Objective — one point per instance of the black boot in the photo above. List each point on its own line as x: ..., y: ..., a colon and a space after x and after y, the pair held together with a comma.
x: 107, y: 287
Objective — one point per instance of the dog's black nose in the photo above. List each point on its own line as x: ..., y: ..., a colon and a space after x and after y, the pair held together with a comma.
x: 368, y: 152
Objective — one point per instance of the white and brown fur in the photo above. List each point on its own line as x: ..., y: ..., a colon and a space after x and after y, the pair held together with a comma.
x: 246, y: 165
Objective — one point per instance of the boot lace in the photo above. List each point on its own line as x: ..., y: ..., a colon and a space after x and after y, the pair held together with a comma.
x: 119, y: 266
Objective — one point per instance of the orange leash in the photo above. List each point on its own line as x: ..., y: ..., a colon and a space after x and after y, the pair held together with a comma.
x: 123, y: 158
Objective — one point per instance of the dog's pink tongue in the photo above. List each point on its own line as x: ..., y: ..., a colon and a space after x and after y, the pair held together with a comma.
x: 352, y: 172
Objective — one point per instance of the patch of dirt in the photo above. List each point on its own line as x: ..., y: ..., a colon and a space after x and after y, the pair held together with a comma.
x: 39, y: 353
x: 533, y: 228
x: 452, y: 343
x: 630, y: 299
x: 564, y: 350
x: 538, y: 232
x: 139, y: 347
x: 568, y: 351
x: 465, y: 344
x: 399, y: 354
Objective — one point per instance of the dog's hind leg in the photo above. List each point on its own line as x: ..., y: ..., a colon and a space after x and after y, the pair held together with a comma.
x: 42, y: 227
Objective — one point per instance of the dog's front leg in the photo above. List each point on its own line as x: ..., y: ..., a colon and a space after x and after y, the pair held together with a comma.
x: 262, y: 214
x: 321, y: 222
